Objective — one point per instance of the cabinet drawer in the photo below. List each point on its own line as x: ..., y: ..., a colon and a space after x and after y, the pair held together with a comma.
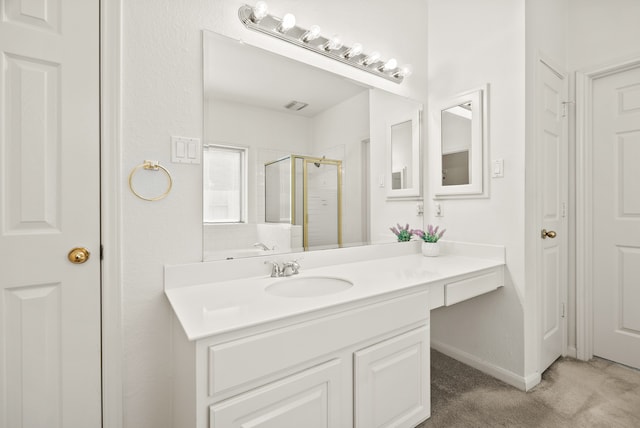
x: 307, y: 399
x: 467, y: 288
x: 245, y: 360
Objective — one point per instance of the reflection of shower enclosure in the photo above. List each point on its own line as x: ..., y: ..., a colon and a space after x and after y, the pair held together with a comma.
x: 306, y: 191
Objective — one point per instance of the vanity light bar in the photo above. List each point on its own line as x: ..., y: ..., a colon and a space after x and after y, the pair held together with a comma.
x: 258, y: 19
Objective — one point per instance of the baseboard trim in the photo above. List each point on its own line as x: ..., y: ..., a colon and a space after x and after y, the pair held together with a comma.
x: 520, y: 382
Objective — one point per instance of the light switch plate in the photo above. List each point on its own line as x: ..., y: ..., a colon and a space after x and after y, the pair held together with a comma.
x: 497, y: 168
x: 439, y: 211
x: 186, y: 150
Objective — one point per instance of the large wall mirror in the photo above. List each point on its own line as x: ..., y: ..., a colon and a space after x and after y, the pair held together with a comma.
x: 463, y: 147
x: 288, y: 153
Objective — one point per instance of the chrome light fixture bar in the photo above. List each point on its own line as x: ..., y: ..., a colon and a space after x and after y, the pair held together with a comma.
x: 258, y: 19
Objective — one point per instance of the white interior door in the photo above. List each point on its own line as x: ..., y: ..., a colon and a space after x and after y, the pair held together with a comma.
x: 49, y: 204
x: 552, y: 157
x: 616, y: 217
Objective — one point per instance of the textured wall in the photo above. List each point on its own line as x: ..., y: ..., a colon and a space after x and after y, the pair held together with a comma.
x: 470, y: 44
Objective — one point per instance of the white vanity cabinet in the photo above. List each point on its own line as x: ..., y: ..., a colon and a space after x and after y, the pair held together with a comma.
x: 365, y: 365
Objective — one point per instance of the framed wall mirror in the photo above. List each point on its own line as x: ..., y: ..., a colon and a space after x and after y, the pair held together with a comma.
x: 403, y: 156
x: 463, y: 149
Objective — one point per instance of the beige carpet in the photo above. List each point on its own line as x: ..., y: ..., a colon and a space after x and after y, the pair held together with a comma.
x: 572, y: 394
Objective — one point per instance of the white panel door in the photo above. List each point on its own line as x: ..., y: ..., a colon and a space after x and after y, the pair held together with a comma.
x: 552, y: 157
x: 616, y: 217
x: 49, y: 204
x: 392, y: 382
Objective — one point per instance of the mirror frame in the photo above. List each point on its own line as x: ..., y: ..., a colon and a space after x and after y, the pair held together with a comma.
x: 479, y: 162
x: 415, y: 190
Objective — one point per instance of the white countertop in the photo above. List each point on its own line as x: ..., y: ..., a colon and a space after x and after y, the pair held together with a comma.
x: 208, y: 309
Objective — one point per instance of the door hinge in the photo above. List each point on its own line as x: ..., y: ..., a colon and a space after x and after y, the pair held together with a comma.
x: 564, y: 209
x: 564, y: 107
x: 101, y: 252
x: 562, y: 310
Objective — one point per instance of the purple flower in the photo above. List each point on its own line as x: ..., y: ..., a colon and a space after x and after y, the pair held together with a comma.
x: 431, y: 234
x: 402, y: 233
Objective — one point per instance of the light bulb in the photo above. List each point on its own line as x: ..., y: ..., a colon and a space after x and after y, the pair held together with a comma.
x: 354, y: 50
x: 333, y: 44
x: 372, y: 58
x: 404, y: 71
x: 259, y: 11
x: 287, y: 23
x: 389, y: 65
x: 311, y: 34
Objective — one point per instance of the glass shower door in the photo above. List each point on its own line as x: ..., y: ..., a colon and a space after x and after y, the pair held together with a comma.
x: 322, y: 203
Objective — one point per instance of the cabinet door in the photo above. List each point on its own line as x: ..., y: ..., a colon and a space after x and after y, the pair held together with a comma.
x: 392, y: 386
x: 309, y: 399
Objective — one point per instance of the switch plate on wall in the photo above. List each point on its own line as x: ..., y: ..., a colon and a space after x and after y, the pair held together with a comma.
x: 185, y: 150
x: 439, y: 212
x: 497, y: 168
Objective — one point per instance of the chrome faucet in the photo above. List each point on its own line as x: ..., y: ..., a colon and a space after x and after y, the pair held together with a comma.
x: 276, y: 271
x: 287, y: 268
x: 293, y: 267
x: 262, y: 246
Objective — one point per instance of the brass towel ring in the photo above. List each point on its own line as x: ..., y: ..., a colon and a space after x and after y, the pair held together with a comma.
x: 150, y: 165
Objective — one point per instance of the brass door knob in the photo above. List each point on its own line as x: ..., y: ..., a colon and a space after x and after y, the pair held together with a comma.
x: 544, y: 234
x: 78, y: 255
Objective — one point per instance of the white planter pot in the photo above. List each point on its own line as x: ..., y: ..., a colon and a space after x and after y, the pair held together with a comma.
x: 430, y: 249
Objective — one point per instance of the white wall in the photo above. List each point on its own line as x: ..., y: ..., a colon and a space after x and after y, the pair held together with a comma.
x: 162, y: 96
x: 470, y: 44
x: 602, y: 31
x: 386, y: 109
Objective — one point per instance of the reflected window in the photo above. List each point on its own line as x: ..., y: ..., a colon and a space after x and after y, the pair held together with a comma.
x: 224, y: 184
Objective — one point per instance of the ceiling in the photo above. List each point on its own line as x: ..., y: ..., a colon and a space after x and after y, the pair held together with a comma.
x: 249, y: 75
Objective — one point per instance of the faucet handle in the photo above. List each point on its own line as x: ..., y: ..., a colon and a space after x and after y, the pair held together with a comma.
x: 293, y: 265
x: 276, y: 271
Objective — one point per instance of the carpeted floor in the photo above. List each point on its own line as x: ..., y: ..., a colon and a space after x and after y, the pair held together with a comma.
x: 572, y: 394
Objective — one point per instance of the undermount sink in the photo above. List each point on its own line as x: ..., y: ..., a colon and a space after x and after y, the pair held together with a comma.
x: 309, y: 286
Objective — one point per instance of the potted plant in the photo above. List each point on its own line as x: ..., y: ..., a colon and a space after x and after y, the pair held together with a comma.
x: 403, y: 234
x: 430, y: 237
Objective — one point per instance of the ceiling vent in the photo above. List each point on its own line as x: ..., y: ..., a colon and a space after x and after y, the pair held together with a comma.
x: 295, y: 105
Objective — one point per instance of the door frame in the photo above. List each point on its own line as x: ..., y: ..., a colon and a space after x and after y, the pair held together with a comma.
x: 584, y: 203
x: 545, y: 61
x: 110, y: 210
